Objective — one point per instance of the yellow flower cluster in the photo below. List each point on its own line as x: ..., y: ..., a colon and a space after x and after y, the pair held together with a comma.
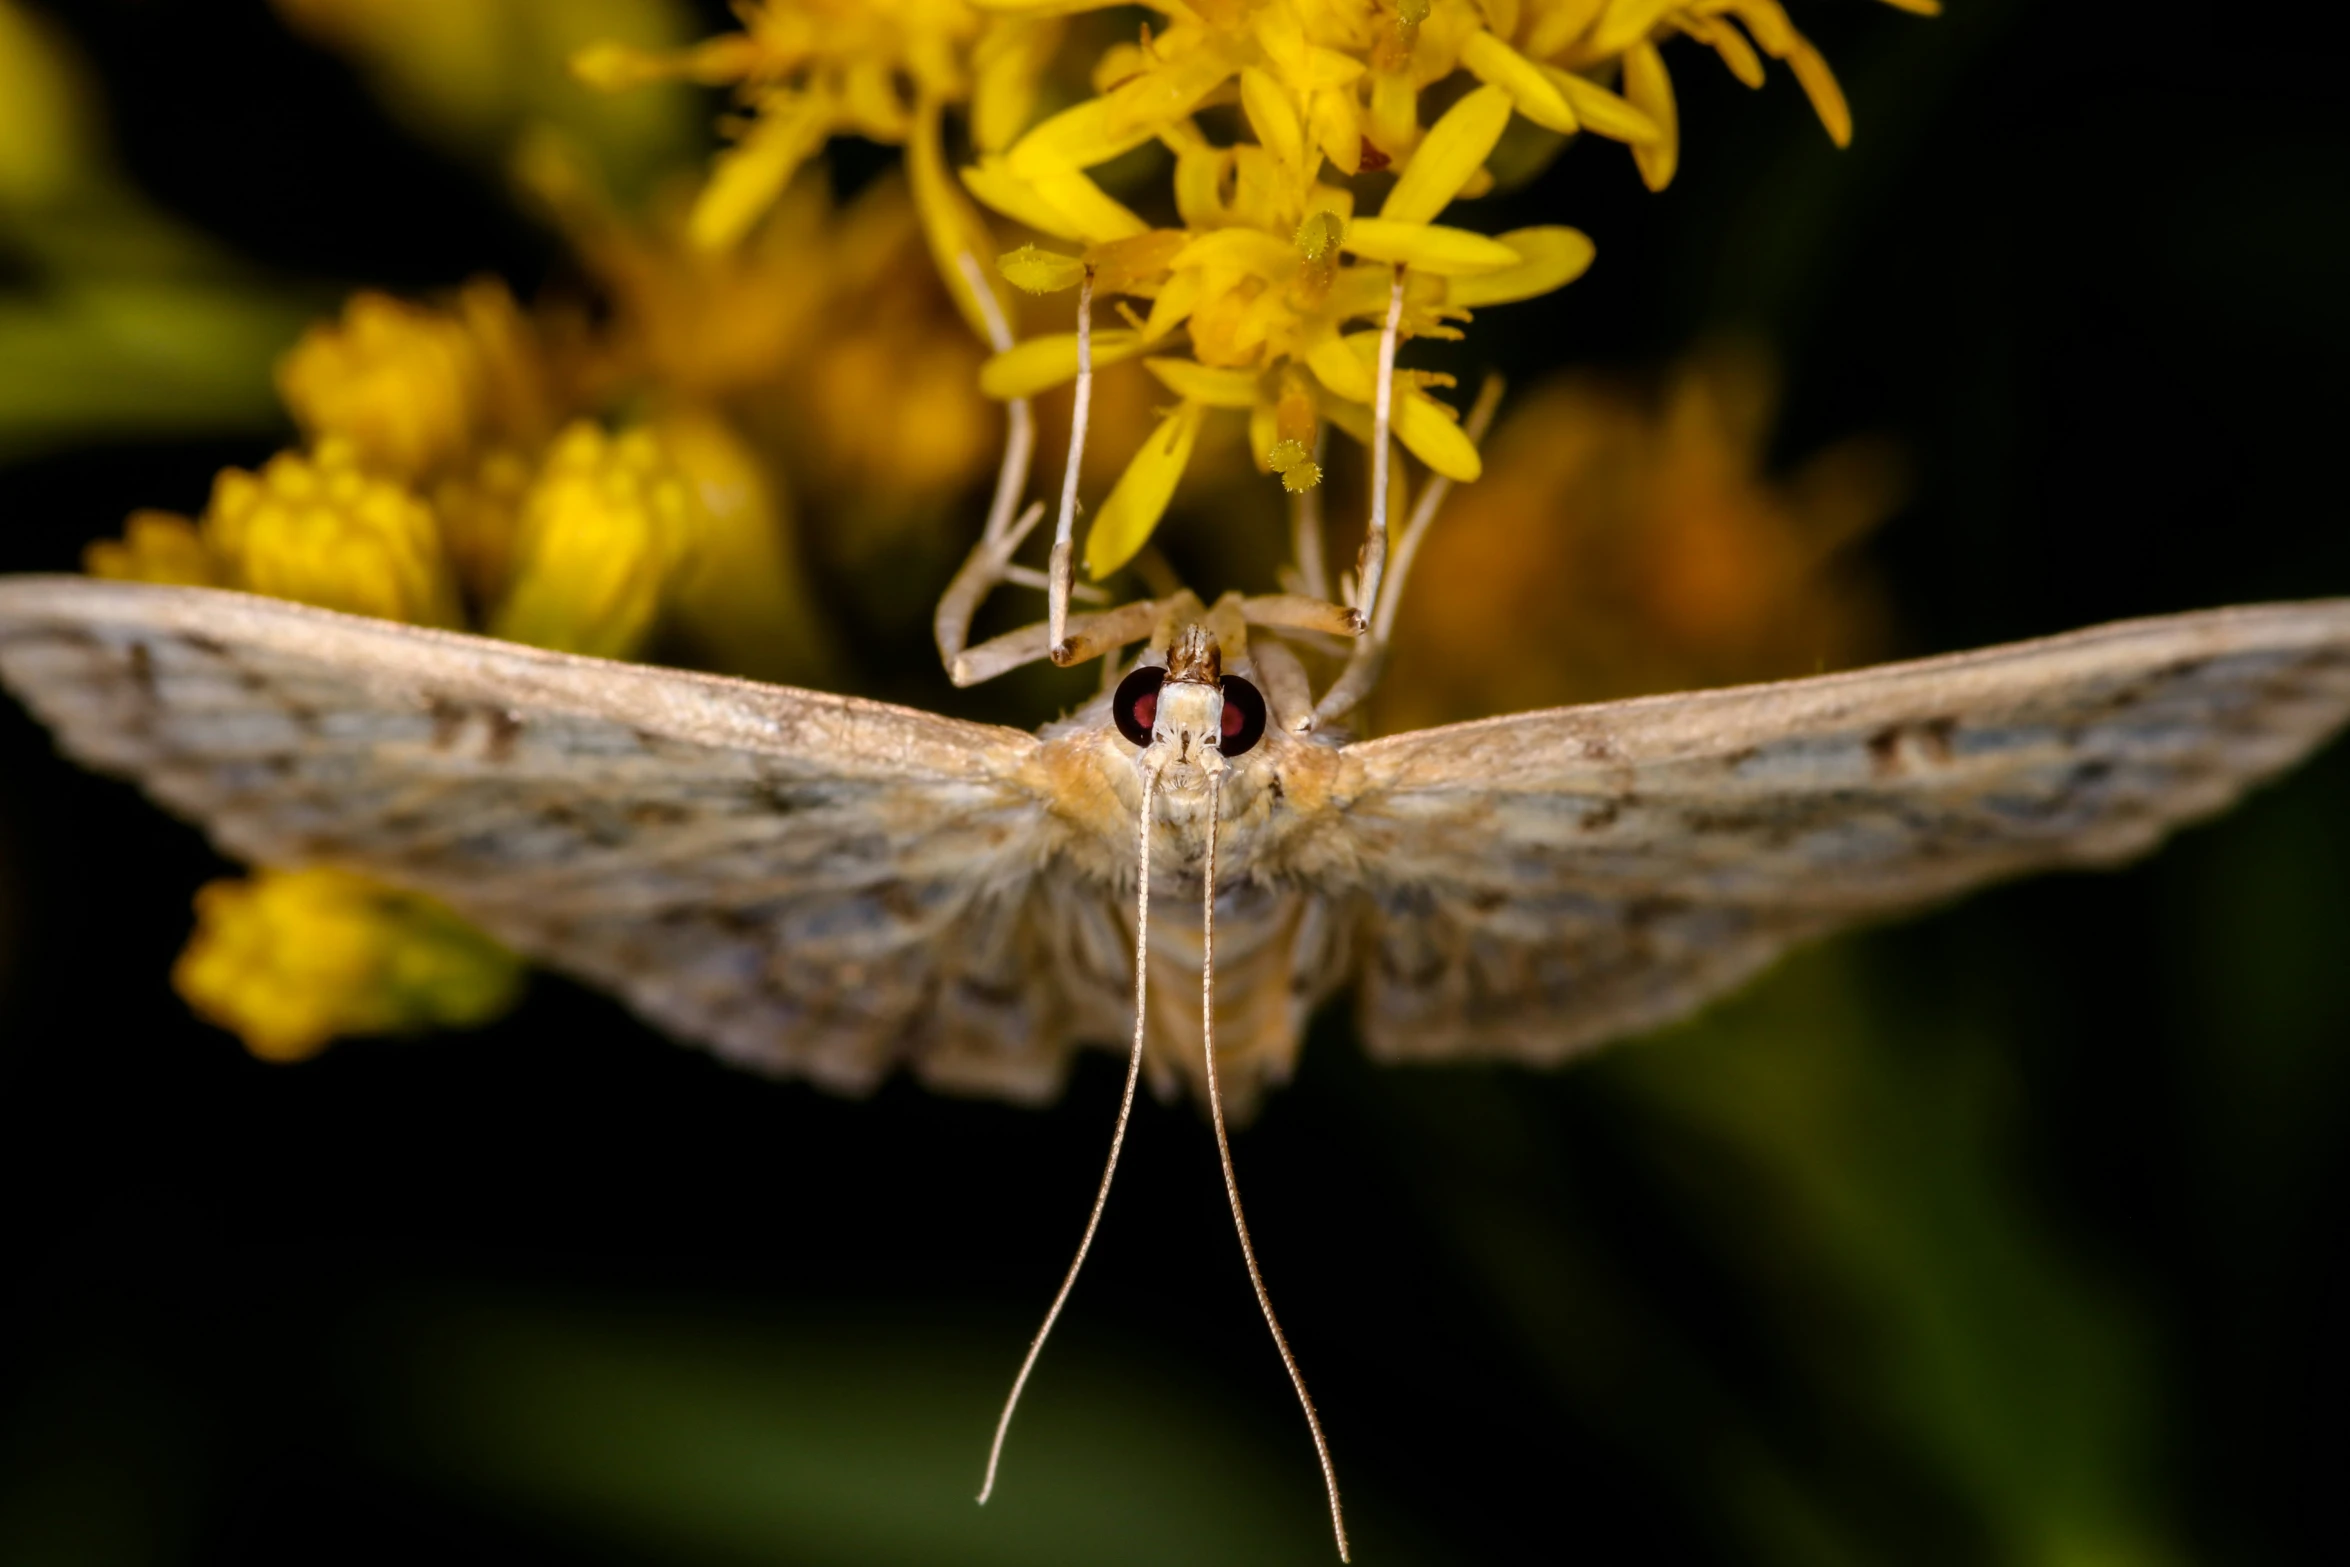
x: 1638, y: 527
x: 288, y: 960
x: 428, y: 483
x: 1267, y: 298
x: 1265, y: 192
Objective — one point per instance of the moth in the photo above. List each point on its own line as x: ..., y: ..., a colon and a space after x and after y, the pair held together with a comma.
x: 835, y: 889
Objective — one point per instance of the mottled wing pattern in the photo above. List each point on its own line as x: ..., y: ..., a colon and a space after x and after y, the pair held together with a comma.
x: 809, y: 884
x: 1539, y: 884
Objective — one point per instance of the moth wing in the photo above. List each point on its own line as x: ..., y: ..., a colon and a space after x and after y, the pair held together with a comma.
x: 809, y: 884
x: 1537, y: 885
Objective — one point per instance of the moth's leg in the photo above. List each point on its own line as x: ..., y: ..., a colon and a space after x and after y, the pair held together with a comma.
x: 1287, y: 690
x: 1090, y: 635
x: 991, y: 558
x: 1296, y: 612
x: 1370, y: 655
x: 989, y: 563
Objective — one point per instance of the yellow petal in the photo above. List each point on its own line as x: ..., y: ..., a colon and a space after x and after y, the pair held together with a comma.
x: 1084, y: 207
x: 1205, y: 384
x: 1338, y: 130
x: 1006, y: 65
x: 1559, y: 24
x: 1627, y: 25
x: 1819, y: 84
x: 1173, y: 306
x: 1723, y: 38
x: 1242, y: 250
x: 1601, y: 110
x: 1549, y: 258
x: 1272, y: 117
x: 1650, y: 90
x: 1454, y: 148
x: 1078, y: 137
x: 1040, y: 271
x: 1428, y: 247
x: 1032, y: 366
x: 1537, y: 97
x: 1140, y: 499
x: 1337, y: 366
x: 1768, y: 21
x: 993, y: 182
x: 746, y: 178
x: 1168, y: 93
x: 1428, y: 431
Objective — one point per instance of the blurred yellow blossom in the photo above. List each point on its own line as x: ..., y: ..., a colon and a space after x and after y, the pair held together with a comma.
x: 289, y: 959
x: 1566, y: 42
x: 826, y: 333
x: 809, y: 70
x: 603, y: 530
x: 47, y: 140
x: 475, y: 74
x: 320, y: 529
x: 1640, y: 534
x: 479, y: 505
x: 417, y: 388
x: 156, y: 546
x: 742, y: 602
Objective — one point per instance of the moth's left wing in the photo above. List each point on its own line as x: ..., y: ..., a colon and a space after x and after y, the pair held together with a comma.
x: 1537, y: 885
x: 807, y: 883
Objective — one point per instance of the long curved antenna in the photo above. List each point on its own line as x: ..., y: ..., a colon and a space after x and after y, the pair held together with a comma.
x: 1372, y: 563
x: 1142, y: 927
x: 1064, y: 528
x: 1248, y: 1252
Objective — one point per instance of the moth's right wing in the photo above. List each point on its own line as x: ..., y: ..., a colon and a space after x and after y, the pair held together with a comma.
x: 809, y: 884
x: 1539, y: 884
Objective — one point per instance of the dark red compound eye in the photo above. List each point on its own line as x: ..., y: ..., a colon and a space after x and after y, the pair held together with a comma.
x: 1136, y: 706
x: 1244, y: 716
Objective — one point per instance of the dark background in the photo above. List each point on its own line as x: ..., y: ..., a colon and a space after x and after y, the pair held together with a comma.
x: 2013, y: 1233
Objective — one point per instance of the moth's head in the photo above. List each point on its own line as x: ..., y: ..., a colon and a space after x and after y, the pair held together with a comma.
x: 1188, y: 717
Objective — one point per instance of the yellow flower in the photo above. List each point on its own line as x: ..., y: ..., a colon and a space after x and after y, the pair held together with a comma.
x: 809, y: 70
x: 1639, y: 529
x: 319, y: 529
x: 289, y: 960
x: 417, y: 388
x: 826, y: 330
x: 604, y: 529
x: 1271, y: 270
x: 47, y: 123
x: 156, y: 546
x: 479, y: 505
x: 1567, y: 43
x: 472, y: 74
x: 742, y: 602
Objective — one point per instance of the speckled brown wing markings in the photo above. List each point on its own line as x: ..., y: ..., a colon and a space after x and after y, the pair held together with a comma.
x: 1534, y: 886
x: 806, y: 883
x: 832, y: 888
